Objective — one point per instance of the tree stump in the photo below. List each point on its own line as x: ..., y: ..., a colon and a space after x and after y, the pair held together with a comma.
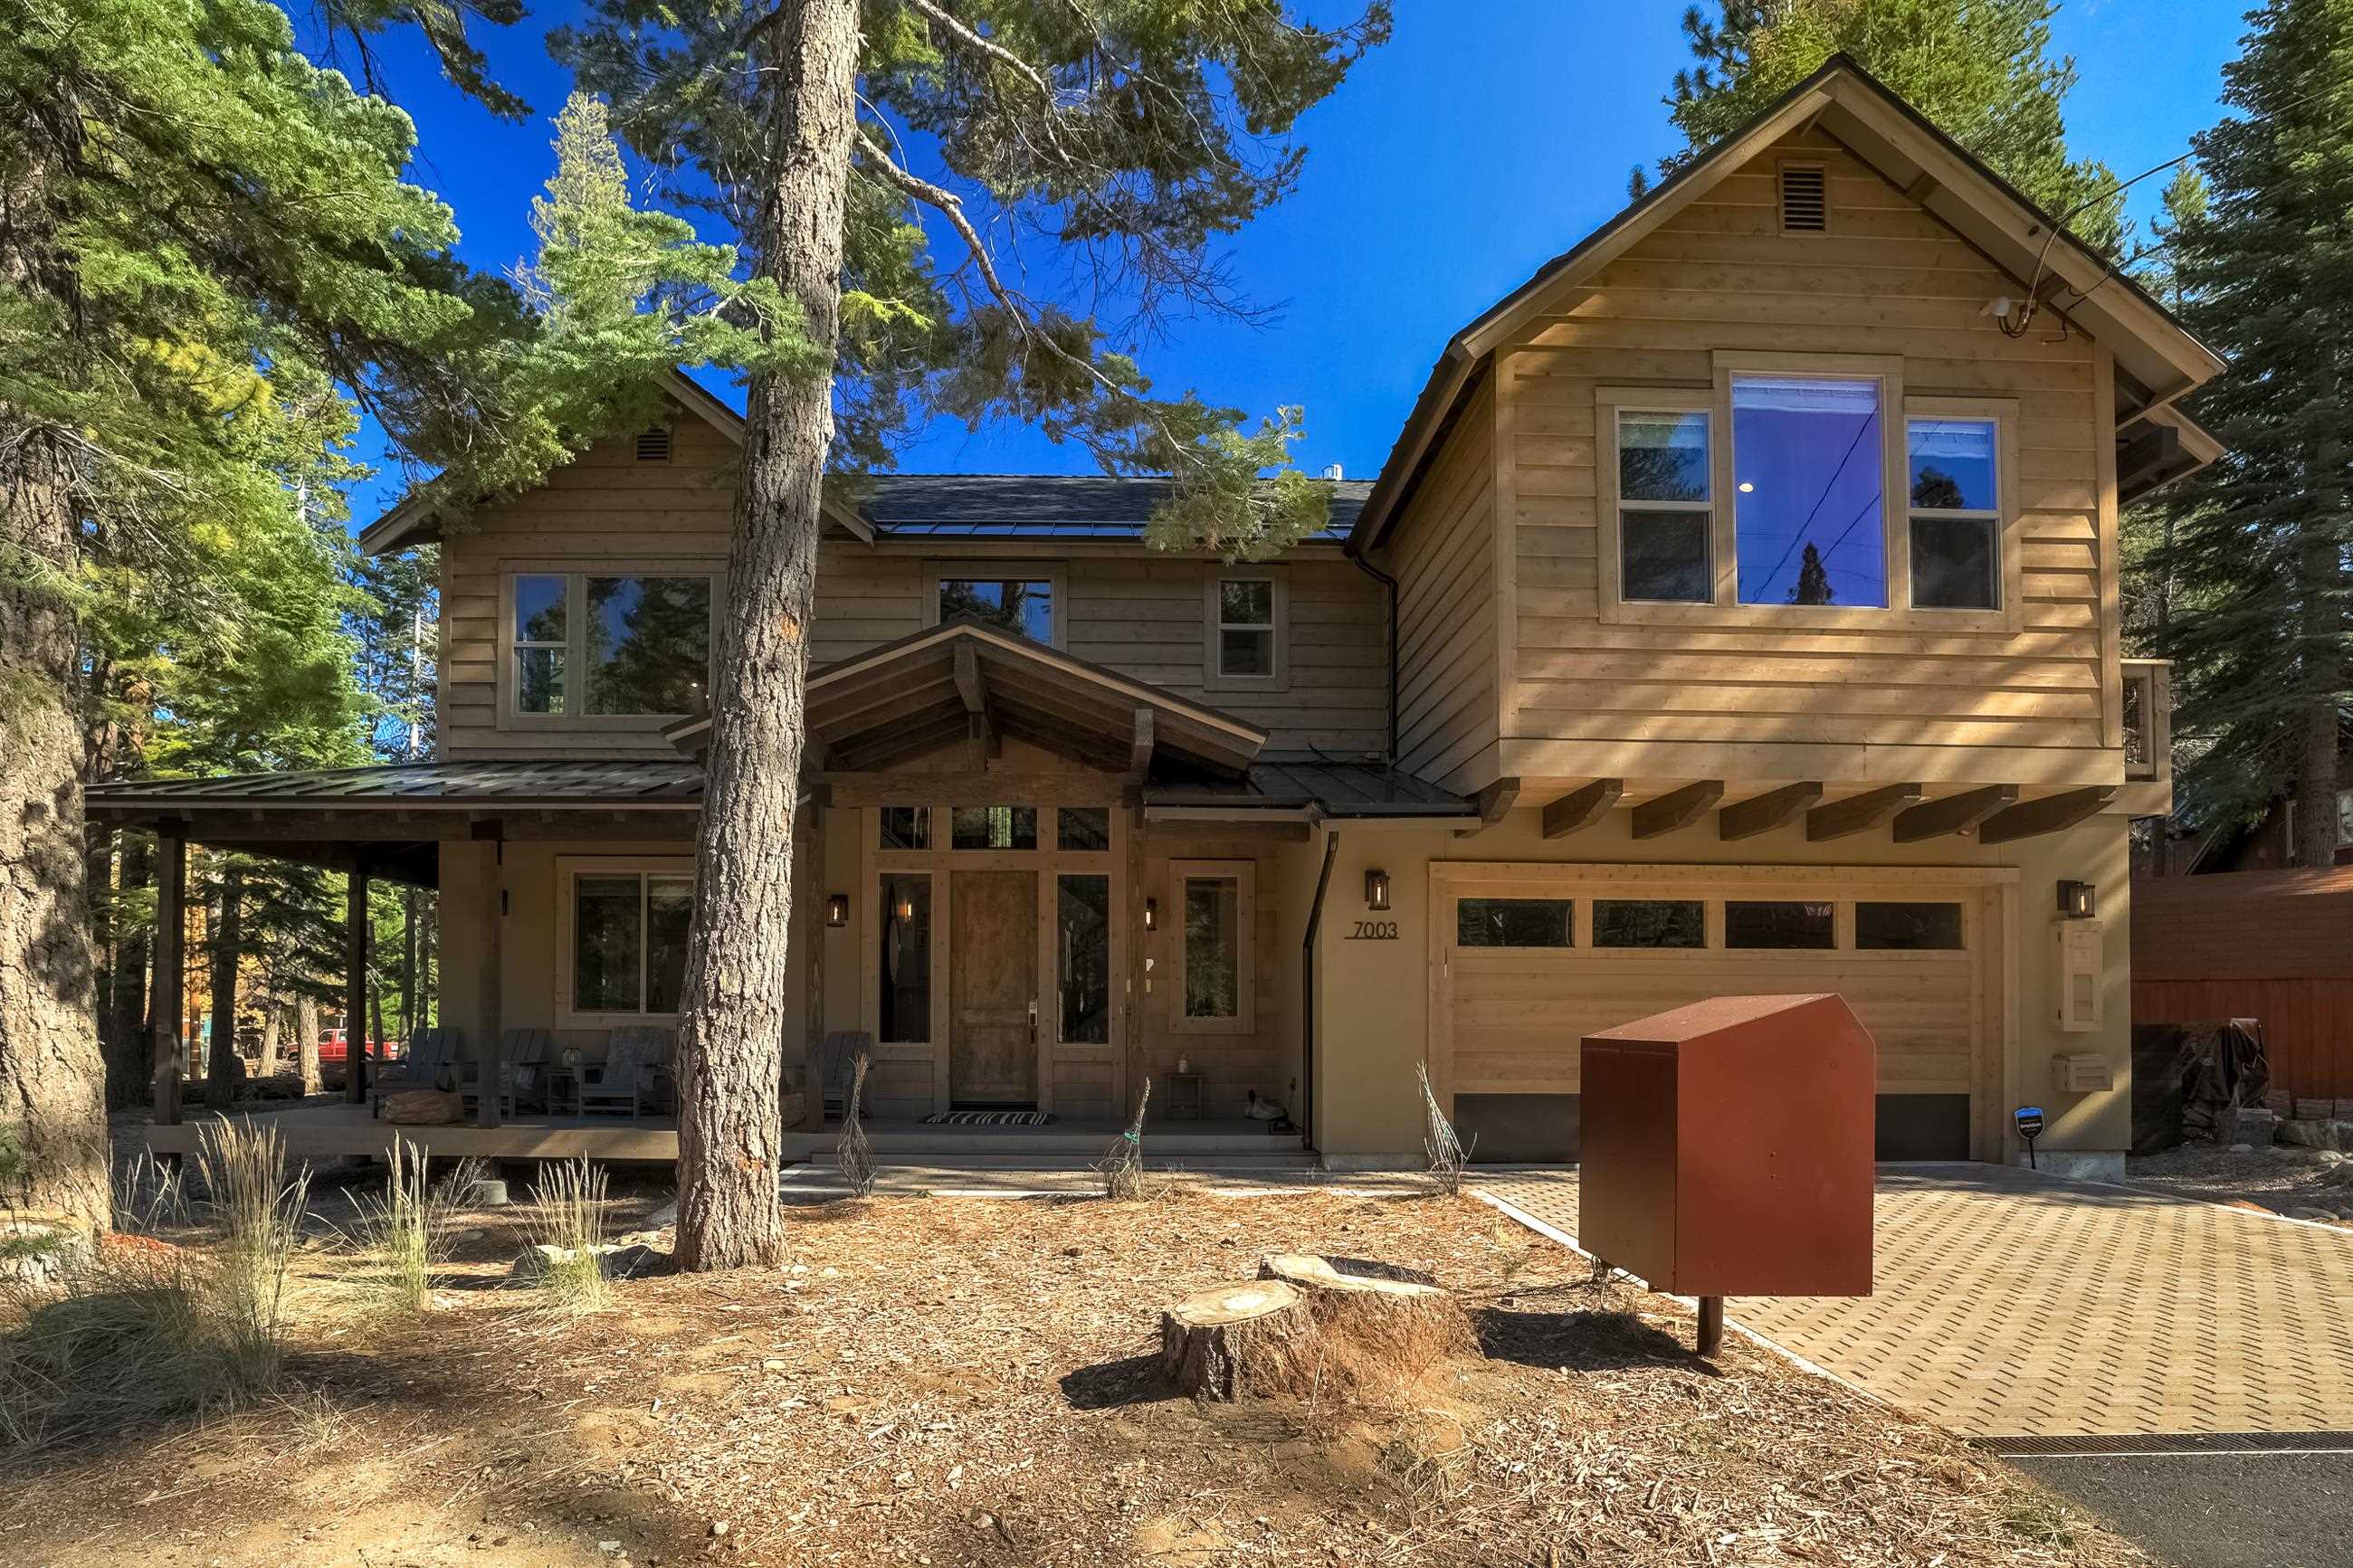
x: 1378, y: 1313
x: 1237, y: 1340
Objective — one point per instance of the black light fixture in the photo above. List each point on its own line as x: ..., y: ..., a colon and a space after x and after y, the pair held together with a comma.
x: 837, y: 909
x: 2076, y: 900
x: 1152, y: 914
x: 1376, y: 890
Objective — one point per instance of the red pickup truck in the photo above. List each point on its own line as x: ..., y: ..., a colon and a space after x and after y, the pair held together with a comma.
x: 334, y: 1051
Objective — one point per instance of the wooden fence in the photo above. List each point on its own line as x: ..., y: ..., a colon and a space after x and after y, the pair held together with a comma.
x: 2307, y: 1023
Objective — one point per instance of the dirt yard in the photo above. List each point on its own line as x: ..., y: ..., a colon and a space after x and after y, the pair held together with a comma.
x: 2282, y: 1177
x: 967, y: 1382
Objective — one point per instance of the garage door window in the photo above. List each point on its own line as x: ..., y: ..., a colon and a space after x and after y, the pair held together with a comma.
x: 1514, y: 923
x: 1907, y: 927
x: 1777, y: 924
x: 1650, y: 922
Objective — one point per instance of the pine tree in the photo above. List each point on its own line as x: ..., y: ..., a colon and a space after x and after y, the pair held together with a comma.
x: 1814, y: 585
x: 202, y: 235
x: 836, y: 138
x: 2257, y: 614
x: 1980, y: 69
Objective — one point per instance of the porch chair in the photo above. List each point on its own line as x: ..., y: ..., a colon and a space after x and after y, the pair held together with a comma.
x: 523, y: 1072
x: 835, y: 1053
x: 634, y: 1074
x: 428, y: 1065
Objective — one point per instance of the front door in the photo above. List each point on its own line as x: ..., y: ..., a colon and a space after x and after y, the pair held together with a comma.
x: 993, y: 988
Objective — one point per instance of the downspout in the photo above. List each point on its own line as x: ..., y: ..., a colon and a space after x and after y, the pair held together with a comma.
x: 1389, y: 582
x: 1307, y: 994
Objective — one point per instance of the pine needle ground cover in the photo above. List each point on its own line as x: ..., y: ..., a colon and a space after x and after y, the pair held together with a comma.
x: 972, y: 1381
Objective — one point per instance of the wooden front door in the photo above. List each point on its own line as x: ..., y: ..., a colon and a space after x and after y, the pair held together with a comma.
x: 993, y: 988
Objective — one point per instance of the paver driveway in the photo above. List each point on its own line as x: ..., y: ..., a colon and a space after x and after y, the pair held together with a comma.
x: 2008, y: 1304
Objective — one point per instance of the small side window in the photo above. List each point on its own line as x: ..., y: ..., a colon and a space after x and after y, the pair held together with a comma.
x: 1956, y: 510
x: 1777, y: 924
x: 1650, y: 922
x: 1245, y: 627
x: 1907, y: 927
x: 1665, y: 517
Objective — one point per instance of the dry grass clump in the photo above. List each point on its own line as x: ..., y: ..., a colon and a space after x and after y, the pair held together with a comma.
x: 852, y: 1151
x: 1448, y: 1157
x: 409, y: 1229
x: 141, y: 1334
x: 1122, y: 1166
x: 569, y: 1232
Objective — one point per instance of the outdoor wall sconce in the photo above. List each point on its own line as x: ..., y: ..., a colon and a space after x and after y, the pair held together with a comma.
x: 2076, y: 900
x: 837, y: 909
x: 1152, y: 914
x: 1376, y: 890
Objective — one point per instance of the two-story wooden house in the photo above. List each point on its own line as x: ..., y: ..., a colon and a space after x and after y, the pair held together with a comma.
x: 1738, y: 612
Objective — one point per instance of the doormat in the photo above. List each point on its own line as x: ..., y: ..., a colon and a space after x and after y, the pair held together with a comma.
x: 989, y: 1119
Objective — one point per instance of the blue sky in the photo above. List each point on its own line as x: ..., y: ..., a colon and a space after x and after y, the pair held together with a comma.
x: 1448, y: 167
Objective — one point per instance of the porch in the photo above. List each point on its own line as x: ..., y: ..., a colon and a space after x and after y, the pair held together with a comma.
x: 322, y: 1132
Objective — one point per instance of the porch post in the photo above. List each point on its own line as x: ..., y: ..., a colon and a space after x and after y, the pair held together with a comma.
x: 488, y: 1000
x: 355, y: 1007
x: 171, y: 979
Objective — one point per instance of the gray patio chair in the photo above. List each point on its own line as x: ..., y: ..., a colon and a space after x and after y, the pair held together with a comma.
x: 428, y: 1065
x: 634, y: 1075
x: 523, y: 1056
x: 835, y: 1053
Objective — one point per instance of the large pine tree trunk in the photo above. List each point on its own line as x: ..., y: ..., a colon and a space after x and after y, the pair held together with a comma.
x: 732, y: 1017
x: 52, y: 1072
x: 229, y: 940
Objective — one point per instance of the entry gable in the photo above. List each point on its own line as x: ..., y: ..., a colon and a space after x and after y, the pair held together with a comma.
x: 967, y: 678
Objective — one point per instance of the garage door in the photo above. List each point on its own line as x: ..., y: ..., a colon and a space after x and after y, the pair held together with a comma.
x: 1527, y: 960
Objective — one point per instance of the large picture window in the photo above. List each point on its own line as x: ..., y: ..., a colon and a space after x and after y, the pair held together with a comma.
x: 609, y: 646
x: 628, y: 947
x: 1808, y: 466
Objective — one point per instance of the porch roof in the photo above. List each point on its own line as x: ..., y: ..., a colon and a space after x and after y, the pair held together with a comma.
x: 393, y: 817
x: 967, y: 678
x: 1334, y: 791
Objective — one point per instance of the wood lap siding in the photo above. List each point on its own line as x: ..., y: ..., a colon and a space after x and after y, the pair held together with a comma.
x: 1886, y: 279
x: 604, y: 506
x: 1443, y: 557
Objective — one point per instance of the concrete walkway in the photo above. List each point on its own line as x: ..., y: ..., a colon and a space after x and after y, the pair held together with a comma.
x: 2009, y: 1304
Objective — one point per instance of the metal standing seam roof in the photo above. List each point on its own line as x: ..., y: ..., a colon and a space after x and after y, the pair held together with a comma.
x: 424, y: 785
x: 1066, y: 506
x: 1339, y: 790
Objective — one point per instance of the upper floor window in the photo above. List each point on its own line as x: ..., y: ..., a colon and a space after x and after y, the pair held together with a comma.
x: 1024, y: 608
x: 609, y: 645
x: 1809, y: 508
x: 1663, y: 494
x: 1244, y: 629
x: 1955, y: 511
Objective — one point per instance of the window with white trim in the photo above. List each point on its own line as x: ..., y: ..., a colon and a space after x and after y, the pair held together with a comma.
x: 1809, y: 501
x: 1245, y: 626
x: 1955, y: 482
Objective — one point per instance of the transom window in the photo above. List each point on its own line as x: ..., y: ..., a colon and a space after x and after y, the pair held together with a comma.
x: 629, y: 941
x: 1809, y: 508
x: 1023, y: 606
x: 609, y: 646
x: 1956, y: 513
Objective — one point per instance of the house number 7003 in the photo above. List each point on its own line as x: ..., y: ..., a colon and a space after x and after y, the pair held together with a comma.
x: 1374, y: 930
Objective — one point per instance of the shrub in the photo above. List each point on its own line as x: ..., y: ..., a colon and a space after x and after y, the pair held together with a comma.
x: 1122, y: 1166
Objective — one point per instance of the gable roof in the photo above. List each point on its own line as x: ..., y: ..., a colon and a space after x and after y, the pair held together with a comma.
x: 2157, y: 359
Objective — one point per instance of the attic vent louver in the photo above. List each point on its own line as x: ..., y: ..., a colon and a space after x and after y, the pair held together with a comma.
x: 653, y: 446
x: 1805, y: 199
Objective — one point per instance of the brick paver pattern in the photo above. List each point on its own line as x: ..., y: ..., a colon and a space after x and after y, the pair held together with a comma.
x: 2007, y: 1304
